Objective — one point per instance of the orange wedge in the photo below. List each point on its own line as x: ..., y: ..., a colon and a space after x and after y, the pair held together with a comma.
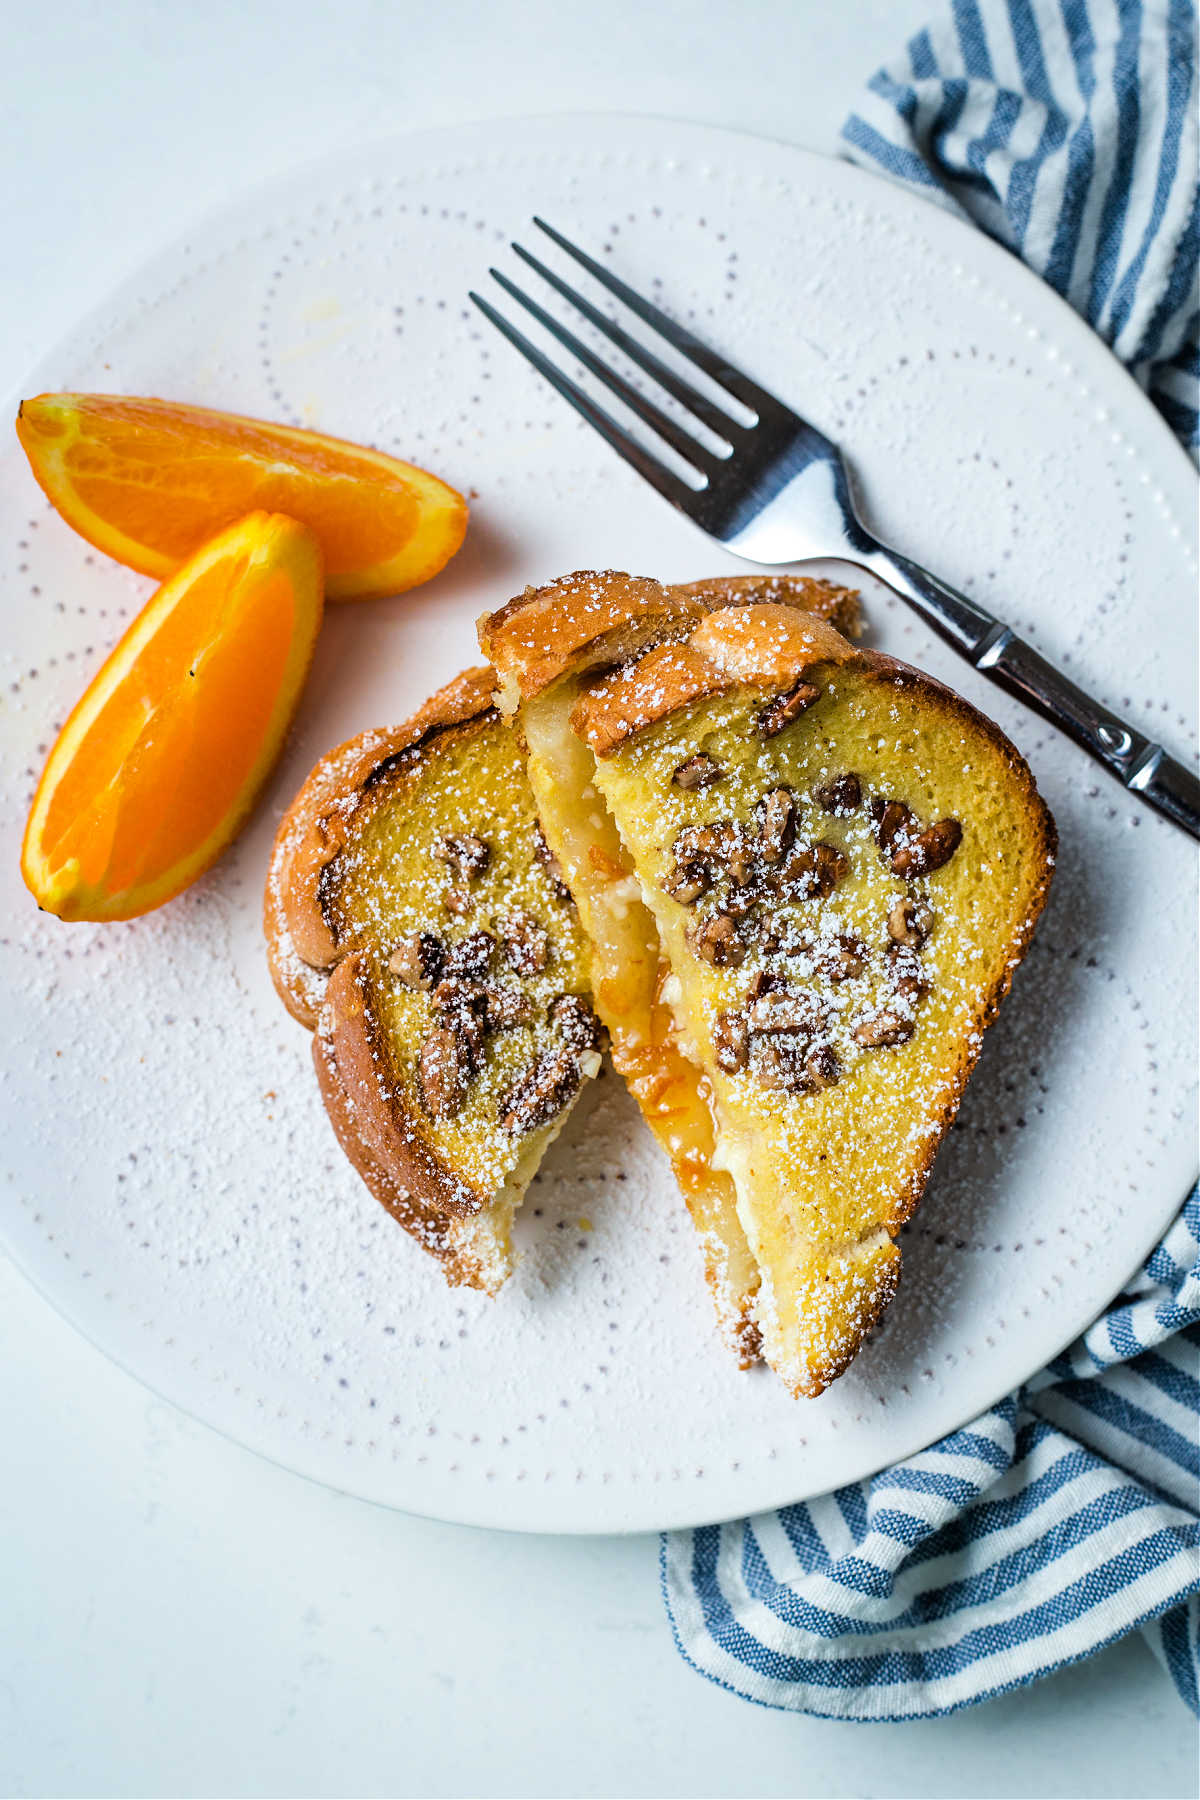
x: 156, y: 769
x: 148, y: 483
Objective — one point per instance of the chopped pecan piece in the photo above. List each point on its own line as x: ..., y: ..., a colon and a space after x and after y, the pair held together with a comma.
x: 777, y: 815
x: 764, y: 982
x: 505, y: 1007
x: 454, y: 992
x: 542, y: 850
x: 543, y: 1092
x: 474, y: 1009
x: 525, y: 944
x: 841, y: 796
x: 740, y: 902
x: 698, y: 772
x: 778, y: 1061
x: 906, y: 973
x: 443, y: 1072
x: 470, y: 1026
x: 792, y: 1064
x: 809, y: 871
x: 462, y: 1005
x: 784, y: 937
x: 720, y: 843
x: 465, y: 854
x: 929, y: 850
x: 785, y: 708
x: 884, y: 1029
x: 723, y: 843
x: 686, y: 882
x: 895, y: 824
x: 457, y: 900
x: 717, y: 942
x: 908, y: 849
x: 783, y: 1009
x: 700, y: 844
x: 731, y: 1041
x: 739, y: 860
x: 471, y: 956
x: 822, y: 1067
x: 417, y: 959
x: 575, y: 1022
x: 909, y: 922
x: 844, y: 958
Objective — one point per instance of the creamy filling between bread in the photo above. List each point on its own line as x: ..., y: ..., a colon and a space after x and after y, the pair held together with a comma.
x: 627, y: 982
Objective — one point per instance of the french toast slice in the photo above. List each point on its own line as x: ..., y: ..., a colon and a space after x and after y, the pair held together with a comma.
x: 844, y: 863
x: 545, y: 646
x: 416, y: 924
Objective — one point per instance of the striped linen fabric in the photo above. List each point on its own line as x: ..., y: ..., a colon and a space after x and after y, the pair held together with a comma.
x: 1057, y: 1522
x: 1068, y: 1515
x: 1067, y: 129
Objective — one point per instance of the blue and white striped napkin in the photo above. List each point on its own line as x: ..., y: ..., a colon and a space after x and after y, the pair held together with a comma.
x: 1068, y: 1515
x: 1068, y: 130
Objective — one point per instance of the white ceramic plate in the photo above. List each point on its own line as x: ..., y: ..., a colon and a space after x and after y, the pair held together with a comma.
x: 170, y: 1180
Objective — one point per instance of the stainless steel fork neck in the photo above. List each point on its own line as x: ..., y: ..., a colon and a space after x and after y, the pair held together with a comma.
x: 970, y: 628
x: 813, y: 516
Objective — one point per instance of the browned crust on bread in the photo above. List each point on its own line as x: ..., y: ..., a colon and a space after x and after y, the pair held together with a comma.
x: 629, y: 697
x: 870, y: 1315
x: 824, y: 599
x: 545, y: 631
x: 936, y: 694
x: 357, y: 1054
x: 329, y: 991
x: 762, y: 644
x: 601, y: 617
x: 300, y: 946
x: 430, y: 1228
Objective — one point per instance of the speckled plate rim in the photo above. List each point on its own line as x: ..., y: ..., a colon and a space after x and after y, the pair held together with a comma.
x: 1044, y: 312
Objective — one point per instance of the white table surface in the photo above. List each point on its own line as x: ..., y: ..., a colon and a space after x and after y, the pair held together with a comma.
x: 178, y: 1617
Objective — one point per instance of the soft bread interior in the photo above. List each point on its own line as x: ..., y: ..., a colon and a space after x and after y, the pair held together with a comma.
x: 825, y: 1177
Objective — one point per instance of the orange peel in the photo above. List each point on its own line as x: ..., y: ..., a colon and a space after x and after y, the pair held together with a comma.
x: 159, y: 764
x: 148, y: 482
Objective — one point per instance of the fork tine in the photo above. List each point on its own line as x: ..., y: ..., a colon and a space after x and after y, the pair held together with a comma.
x: 714, y: 365
x: 668, y: 485
x: 681, y: 390
x: 667, y: 429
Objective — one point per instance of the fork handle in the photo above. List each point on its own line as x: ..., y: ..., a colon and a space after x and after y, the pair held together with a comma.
x: 1141, y: 765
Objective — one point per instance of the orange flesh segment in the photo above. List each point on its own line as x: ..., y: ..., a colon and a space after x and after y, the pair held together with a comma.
x: 148, y: 482
x: 161, y: 760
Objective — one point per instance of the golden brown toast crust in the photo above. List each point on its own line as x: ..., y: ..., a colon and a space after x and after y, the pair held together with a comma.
x: 389, y: 1129
x: 766, y: 645
x: 330, y: 994
x: 589, y: 618
x: 432, y: 1229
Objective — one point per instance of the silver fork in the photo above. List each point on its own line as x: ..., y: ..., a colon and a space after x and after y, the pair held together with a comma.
x: 781, y: 493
